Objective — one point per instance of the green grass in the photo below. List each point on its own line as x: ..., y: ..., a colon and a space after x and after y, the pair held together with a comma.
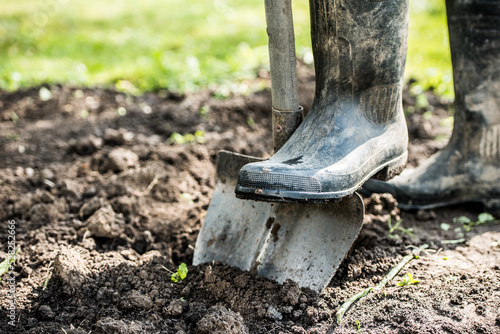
x: 173, y: 44
x: 429, y: 60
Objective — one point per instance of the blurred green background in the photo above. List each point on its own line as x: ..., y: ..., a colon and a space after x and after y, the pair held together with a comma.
x: 179, y: 45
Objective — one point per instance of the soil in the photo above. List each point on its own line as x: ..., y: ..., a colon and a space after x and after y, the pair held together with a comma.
x: 106, y: 207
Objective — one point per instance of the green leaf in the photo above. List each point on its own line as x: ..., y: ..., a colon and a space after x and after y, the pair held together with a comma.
x: 485, y: 218
x: 408, y: 280
x: 14, y: 117
x: 250, y: 122
x: 5, y: 265
x: 357, y: 325
x: 444, y: 226
x: 462, y: 220
x: 181, y: 273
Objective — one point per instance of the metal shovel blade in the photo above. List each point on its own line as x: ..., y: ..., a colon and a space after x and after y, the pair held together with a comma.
x: 302, y: 242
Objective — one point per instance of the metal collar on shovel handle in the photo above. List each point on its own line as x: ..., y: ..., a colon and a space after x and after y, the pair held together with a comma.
x: 286, y: 112
x: 302, y: 242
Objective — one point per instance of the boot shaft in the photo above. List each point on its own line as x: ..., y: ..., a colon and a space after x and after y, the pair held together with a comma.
x: 474, y: 28
x: 360, y: 50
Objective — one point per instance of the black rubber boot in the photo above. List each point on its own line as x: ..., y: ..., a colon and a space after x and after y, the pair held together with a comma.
x: 468, y: 169
x: 356, y: 126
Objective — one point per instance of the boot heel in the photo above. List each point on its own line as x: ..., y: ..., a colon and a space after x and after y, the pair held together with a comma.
x: 392, y: 169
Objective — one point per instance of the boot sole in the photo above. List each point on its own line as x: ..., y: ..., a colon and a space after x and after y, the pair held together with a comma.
x: 385, y: 172
x: 490, y: 205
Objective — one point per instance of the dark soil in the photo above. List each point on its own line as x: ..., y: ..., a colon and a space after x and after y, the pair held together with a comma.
x: 105, y: 208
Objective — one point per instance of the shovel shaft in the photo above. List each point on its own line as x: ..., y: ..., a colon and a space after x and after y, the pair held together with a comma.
x: 287, y: 114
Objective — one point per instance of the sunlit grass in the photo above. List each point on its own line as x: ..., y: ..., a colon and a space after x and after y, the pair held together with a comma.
x: 173, y: 44
x: 428, y: 60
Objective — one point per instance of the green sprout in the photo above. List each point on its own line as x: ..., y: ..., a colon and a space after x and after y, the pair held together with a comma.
x: 357, y: 325
x: 181, y: 273
x: 198, y: 137
x: 14, y: 117
x: 13, y: 137
x: 408, y: 280
x: 121, y: 111
x: 49, y: 275
x: 188, y: 198
x: 468, y: 224
x: 250, y: 122
x: 203, y: 112
x: 6, y: 264
x: 444, y: 226
x: 398, y: 227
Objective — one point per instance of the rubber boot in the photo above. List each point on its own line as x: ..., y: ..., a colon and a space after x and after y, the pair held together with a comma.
x: 468, y: 168
x: 355, y: 128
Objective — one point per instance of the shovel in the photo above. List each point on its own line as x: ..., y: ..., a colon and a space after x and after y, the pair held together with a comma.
x: 299, y: 241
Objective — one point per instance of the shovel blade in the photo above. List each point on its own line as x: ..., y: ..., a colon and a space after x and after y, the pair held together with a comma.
x: 233, y: 230
x: 302, y: 242
x: 308, y: 242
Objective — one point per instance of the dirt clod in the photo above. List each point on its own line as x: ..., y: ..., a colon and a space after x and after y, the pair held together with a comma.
x: 119, y: 159
x: 104, y: 223
x: 312, y: 315
x: 290, y: 293
x: 86, y: 145
x: 273, y: 313
x: 70, y: 269
x: 175, y: 308
x: 90, y: 207
x: 46, y: 313
x: 137, y: 300
x: 220, y: 320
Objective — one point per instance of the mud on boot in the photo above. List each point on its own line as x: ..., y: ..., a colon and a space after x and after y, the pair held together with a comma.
x: 356, y: 127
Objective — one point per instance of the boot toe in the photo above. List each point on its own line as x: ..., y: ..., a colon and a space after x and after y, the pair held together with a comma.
x: 276, y: 181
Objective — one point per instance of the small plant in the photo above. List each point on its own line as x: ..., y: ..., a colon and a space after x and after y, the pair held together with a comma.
x: 408, y: 280
x: 203, y: 112
x: 14, y: 117
x: 181, y: 273
x: 6, y: 264
x: 84, y: 113
x: 12, y: 136
x: 398, y: 227
x: 121, y: 111
x: 444, y: 226
x: 468, y: 224
x: 198, y: 137
x: 187, y: 197
x: 357, y: 325
x: 250, y: 122
x: 50, y: 268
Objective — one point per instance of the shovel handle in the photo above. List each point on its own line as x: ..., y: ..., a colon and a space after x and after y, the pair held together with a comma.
x: 287, y: 114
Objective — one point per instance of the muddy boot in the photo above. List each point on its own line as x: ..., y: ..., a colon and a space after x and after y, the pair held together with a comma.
x: 356, y: 127
x: 468, y: 168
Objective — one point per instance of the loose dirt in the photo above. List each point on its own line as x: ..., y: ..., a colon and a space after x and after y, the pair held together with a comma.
x: 106, y: 207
